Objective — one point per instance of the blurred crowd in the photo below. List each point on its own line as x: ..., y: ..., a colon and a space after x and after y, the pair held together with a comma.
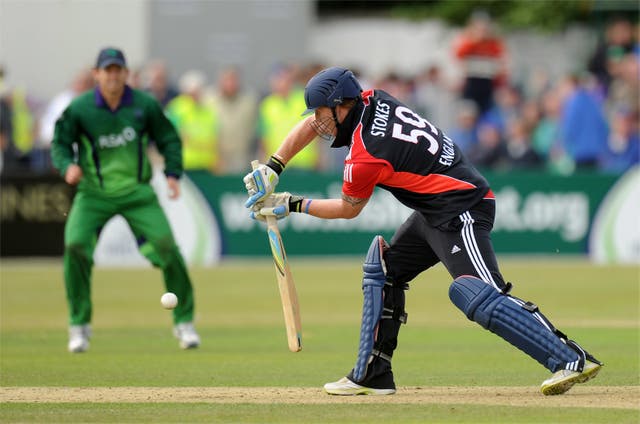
x: 583, y: 121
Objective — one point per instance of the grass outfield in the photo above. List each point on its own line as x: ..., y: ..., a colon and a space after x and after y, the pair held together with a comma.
x: 447, y: 369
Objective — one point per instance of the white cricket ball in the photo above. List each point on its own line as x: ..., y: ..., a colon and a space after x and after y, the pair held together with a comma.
x: 169, y: 300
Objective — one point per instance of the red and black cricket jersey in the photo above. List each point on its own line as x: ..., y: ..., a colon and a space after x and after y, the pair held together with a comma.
x: 394, y: 148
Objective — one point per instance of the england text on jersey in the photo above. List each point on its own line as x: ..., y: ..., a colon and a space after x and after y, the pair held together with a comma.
x: 400, y: 151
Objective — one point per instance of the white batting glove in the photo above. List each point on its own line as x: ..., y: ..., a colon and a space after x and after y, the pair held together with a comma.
x: 279, y: 205
x: 256, y: 215
x: 260, y: 183
x: 255, y: 211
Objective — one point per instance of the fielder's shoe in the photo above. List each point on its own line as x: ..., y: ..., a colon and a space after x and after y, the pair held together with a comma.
x: 186, y: 334
x: 563, y: 380
x: 79, y: 336
x: 346, y: 387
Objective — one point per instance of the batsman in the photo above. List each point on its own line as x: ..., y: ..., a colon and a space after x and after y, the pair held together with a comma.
x: 392, y: 147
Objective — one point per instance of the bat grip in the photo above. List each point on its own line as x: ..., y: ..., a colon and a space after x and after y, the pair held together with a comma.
x: 272, y: 221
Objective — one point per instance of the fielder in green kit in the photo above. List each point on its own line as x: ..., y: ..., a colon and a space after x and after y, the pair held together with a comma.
x: 100, y: 145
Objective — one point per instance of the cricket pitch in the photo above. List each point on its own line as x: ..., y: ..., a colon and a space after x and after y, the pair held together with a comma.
x: 618, y: 397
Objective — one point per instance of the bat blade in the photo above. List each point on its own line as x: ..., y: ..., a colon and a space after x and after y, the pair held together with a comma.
x: 288, y: 293
x: 286, y: 285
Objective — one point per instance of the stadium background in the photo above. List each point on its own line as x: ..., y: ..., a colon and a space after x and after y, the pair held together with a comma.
x: 45, y: 42
x: 63, y: 35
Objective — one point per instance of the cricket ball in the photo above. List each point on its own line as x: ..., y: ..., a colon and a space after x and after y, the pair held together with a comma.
x: 169, y: 300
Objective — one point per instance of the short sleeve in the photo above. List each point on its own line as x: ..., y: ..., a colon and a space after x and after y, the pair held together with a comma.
x: 360, y: 179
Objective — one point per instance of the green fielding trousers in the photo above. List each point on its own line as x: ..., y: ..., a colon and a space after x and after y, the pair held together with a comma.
x: 89, y: 213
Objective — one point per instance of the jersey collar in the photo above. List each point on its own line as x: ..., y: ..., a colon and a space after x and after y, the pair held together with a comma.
x: 126, y: 100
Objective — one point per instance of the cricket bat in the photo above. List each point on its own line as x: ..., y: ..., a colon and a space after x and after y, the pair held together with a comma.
x: 288, y: 293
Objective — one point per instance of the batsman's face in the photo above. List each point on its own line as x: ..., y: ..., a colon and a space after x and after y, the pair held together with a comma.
x: 325, y: 124
x: 111, y: 79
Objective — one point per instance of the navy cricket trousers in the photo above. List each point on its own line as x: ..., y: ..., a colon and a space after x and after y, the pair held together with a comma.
x: 462, y: 244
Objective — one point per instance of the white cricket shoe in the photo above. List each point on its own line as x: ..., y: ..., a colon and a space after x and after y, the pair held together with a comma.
x: 563, y: 380
x: 185, y: 332
x: 79, y: 336
x: 346, y: 387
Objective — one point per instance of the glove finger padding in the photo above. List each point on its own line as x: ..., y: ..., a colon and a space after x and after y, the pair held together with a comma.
x: 277, y: 211
x: 257, y: 216
x: 250, y: 185
x: 248, y: 180
x: 260, y: 183
x: 277, y: 205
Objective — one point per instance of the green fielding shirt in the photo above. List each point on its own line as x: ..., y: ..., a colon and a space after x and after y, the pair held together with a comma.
x: 112, y: 145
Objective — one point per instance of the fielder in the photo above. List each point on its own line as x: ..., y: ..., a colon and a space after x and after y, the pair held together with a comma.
x: 392, y: 147
x: 100, y: 145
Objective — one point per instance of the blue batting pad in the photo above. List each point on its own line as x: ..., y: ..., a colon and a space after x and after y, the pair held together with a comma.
x: 505, y: 316
x: 372, y: 284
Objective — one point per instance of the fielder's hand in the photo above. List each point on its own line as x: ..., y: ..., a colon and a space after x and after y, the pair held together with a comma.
x: 260, y: 183
x: 174, y: 187
x: 73, y: 174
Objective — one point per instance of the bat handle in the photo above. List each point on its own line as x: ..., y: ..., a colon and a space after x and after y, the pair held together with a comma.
x: 272, y: 221
x: 255, y: 164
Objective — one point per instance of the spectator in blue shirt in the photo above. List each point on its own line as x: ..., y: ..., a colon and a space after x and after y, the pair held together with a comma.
x: 623, y: 147
x: 583, y: 128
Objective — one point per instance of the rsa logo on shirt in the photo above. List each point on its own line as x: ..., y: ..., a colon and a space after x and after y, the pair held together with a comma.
x: 110, y: 141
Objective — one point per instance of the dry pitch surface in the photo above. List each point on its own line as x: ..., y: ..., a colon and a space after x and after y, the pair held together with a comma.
x: 619, y: 397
